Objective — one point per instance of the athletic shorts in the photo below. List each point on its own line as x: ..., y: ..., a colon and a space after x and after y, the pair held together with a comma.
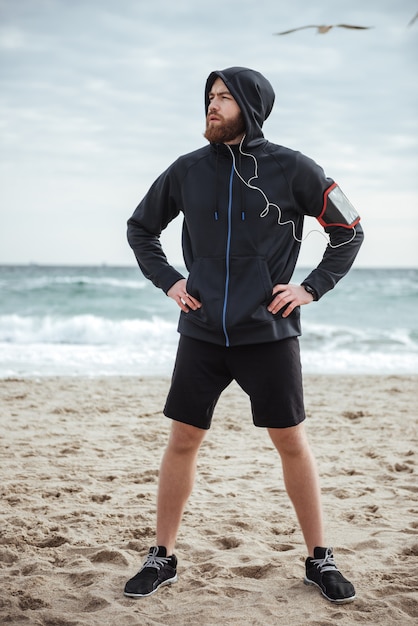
x: 270, y: 373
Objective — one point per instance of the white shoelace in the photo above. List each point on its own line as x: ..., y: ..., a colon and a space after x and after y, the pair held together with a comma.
x: 327, y: 564
x: 153, y: 560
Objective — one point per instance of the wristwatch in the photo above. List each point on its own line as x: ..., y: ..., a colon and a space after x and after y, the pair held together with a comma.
x: 310, y: 290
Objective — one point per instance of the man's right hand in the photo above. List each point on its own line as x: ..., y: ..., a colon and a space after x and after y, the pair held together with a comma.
x: 178, y: 292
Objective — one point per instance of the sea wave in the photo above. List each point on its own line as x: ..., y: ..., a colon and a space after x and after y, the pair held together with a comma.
x: 149, y: 359
x: 85, y: 360
x: 349, y: 362
x: 83, y: 329
x: 361, y: 339
x: 110, y: 320
x: 92, y: 345
x: 96, y: 330
x: 42, y: 283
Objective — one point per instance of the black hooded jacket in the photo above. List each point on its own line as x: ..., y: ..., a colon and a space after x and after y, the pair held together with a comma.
x: 243, y: 209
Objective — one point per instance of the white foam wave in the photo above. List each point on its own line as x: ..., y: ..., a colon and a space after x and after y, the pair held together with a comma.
x: 349, y: 362
x: 83, y: 329
x: 150, y: 358
x: 92, y: 345
x: 358, y: 338
x: 75, y: 360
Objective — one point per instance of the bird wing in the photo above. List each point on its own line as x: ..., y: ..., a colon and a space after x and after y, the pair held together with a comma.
x: 323, y: 28
x: 293, y: 30
x: 351, y: 26
x: 413, y: 20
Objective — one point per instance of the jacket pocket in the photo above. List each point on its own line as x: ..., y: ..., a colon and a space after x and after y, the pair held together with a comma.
x: 239, y: 295
x: 250, y: 291
x: 206, y: 282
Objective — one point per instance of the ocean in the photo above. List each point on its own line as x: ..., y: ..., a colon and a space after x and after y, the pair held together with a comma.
x: 98, y: 321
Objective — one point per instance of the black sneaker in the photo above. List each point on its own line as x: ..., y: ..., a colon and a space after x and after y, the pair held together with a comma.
x: 158, y: 570
x: 322, y: 572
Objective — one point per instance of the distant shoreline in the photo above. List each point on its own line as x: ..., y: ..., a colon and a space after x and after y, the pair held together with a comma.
x: 180, y: 264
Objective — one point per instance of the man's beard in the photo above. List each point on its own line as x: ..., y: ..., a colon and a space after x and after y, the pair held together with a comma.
x: 226, y: 131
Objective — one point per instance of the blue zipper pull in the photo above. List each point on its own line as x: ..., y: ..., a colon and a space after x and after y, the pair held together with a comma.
x: 216, y: 216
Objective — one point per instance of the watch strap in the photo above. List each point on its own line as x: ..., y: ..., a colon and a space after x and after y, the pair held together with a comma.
x: 310, y: 290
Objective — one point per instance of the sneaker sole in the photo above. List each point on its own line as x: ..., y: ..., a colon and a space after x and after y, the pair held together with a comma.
x: 307, y: 581
x: 169, y: 581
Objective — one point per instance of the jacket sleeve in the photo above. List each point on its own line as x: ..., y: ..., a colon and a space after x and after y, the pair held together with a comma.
x: 153, y: 214
x: 321, y: 198
x: 338, y: 258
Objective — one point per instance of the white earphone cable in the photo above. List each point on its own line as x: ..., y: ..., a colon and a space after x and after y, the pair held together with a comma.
x: 269, y: 204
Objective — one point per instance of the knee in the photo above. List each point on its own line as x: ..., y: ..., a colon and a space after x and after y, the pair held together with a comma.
x: 290, y: 441
x: 185, y: 439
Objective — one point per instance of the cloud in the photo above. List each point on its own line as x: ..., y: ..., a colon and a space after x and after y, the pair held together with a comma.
x: 12, y: 39
x: 100, y: 96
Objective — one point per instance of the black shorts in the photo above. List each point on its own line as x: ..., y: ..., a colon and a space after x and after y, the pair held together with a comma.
x: 270, y: 373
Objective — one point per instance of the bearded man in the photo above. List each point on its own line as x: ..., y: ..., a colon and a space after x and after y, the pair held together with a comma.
x: 243, y: 200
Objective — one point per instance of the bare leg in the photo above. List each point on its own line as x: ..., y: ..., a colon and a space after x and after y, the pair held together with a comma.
x: 301, y: 480
x: 176, y: 479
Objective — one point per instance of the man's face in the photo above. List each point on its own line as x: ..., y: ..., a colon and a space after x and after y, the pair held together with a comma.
x: 224, y: 120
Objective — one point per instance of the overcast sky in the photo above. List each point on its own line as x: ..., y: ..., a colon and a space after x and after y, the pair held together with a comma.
x: 98, y: 97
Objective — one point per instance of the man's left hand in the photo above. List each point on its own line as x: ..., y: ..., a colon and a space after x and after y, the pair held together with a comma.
x: 289, y: 296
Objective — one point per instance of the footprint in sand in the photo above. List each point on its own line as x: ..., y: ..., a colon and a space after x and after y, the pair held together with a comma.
x: 7, y: 556
x: 411, y: 550
x: 94, y: 603
x: 54, y: 541
x: 55, y: 620
x: 100, y: 498
x: 28, y: 602
x: 354, y: 415
x: 284, y: 547
x: 109, y: 556
x: 226, y: 543
x: 83, y: 579
x: 254, y: 571
x: 149, y: 476
x: 401, y: 467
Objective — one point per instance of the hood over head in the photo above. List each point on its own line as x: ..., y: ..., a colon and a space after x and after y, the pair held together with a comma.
x: 253, y: 94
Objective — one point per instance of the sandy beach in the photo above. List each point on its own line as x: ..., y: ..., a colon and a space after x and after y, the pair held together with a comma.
x: 79, y: 468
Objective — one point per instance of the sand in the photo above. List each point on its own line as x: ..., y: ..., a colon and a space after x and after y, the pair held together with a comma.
x: 79, y: 467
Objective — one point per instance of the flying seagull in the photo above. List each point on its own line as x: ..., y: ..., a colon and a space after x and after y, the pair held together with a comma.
x: 324, y: 29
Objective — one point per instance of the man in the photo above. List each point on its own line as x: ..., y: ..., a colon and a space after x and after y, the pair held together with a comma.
x: 243, y: 200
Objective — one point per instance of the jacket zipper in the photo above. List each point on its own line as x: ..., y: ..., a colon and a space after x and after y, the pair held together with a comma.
x: 227, y: 263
